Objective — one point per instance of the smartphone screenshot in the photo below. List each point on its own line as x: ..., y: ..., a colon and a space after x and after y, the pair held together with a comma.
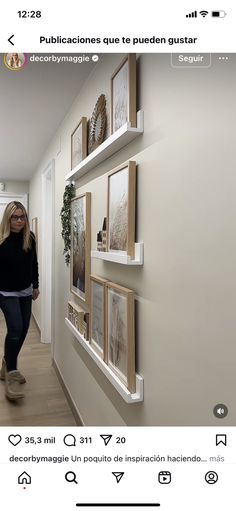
x: 117, y: 256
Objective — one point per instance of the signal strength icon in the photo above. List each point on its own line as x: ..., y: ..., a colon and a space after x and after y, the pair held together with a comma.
x: 204, y: 13
x: 192, y: 14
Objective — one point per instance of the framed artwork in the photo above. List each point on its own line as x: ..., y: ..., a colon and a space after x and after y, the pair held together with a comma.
x: 79, y: 143
x: 98, y: 316
x: 121, y: 209
x: 35, y: 230
x: 123, y: 94
x: 120, y: 333
x: 97, y: 124
x: 81, y: 246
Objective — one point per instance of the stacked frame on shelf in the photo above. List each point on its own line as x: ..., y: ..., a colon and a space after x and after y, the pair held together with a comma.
x: 121, y: 209
x: 123, y: 94
x: 98, y: 316
x: 112, y: 328
x: 120, y: 333
x: 111, y: 331
x: 79, y: 143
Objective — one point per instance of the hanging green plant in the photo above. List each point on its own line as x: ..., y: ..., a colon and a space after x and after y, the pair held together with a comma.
x: 65, y: 214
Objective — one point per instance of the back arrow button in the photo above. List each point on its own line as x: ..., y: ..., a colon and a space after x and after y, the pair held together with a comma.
x: 10, y: 39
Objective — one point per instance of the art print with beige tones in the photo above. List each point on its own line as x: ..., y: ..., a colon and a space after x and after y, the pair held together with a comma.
x: 76, y: 147
x: 120, y: 97
x: 117, y: 333
x: 118, y: 211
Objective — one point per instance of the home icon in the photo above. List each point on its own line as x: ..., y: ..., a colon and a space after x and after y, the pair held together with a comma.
x: 24, y: 478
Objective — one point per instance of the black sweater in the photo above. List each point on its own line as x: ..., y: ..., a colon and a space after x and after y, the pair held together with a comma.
x: 18, y: 268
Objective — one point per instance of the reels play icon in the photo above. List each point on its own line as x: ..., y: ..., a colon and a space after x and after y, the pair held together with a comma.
x: 164, y: 477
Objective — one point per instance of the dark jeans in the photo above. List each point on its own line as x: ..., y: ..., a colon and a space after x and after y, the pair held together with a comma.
x: 17, y: 312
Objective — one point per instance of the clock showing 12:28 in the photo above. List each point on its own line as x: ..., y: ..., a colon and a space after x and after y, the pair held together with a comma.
x: 29, y: 14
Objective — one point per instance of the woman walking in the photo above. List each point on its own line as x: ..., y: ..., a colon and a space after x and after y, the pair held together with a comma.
x: 18, y: 286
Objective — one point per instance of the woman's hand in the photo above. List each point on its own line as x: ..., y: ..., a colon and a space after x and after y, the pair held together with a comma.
x: 35, y: 294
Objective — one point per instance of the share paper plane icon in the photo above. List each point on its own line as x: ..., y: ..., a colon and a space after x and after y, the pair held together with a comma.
x: 106, y: 438
x: 118, y: 476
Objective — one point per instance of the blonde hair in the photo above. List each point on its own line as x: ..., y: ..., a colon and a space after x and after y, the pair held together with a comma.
x: 12, y: 59
x: 5, y: 227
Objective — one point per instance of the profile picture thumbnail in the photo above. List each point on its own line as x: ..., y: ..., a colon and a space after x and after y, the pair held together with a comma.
x: 15, y: 61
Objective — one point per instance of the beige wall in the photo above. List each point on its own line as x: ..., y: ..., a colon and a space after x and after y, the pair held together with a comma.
x: 186, y: 209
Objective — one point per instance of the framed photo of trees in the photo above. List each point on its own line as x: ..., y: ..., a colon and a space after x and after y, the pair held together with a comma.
x: 81, y: 246
x: 121, y: 209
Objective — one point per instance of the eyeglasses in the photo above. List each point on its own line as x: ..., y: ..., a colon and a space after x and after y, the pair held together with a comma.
x: 16, y: 218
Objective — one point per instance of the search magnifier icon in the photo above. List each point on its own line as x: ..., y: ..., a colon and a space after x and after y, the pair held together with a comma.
x: 70, y: 477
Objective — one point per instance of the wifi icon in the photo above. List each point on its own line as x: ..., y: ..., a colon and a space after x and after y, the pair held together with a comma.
x: 203, y: 13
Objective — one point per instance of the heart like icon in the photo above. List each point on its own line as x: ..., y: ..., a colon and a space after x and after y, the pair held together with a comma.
x: 14, y: 439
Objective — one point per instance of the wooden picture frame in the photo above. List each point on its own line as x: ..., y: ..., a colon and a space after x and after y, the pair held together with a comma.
x: 98, y: 316
x: 79, y: 143
x: 120, y: 333
x: 81, y: 246
x: 123, y: 94
x: 35, y: 230
x: 121, y: 209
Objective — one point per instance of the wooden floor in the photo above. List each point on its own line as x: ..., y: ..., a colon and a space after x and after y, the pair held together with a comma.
x: 44, y: 403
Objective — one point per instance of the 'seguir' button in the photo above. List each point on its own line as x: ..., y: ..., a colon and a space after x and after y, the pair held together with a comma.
x: 190, y: 59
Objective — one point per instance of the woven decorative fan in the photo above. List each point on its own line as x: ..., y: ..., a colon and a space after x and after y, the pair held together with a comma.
x: 97, y: 124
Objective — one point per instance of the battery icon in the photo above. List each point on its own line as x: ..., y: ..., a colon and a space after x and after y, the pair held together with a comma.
x: 218, y: 14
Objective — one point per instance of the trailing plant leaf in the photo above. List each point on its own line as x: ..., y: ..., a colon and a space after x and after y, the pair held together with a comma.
x: 65, y: 214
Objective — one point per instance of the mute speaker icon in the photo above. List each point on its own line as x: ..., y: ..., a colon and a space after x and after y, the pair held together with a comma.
x: 220, y: 411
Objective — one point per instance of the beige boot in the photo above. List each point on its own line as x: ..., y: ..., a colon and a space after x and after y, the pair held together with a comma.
x: 20, y: 376
x: 12, y: 390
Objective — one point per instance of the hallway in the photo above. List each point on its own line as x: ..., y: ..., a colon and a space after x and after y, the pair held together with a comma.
x: 44, y: 403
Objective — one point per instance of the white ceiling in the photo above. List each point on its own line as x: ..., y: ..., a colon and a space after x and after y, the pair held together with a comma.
x: 33, y: 102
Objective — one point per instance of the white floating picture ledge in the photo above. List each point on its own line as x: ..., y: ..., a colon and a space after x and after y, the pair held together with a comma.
x: 111, y: 145
x: 116, y: 257
x: 123, y: 391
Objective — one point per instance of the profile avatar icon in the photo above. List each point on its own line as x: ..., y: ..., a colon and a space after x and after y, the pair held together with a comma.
x: 15, y: 61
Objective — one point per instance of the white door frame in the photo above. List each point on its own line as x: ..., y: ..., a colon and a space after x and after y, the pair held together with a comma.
x: 6, y: 197
x: 47, y: 254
